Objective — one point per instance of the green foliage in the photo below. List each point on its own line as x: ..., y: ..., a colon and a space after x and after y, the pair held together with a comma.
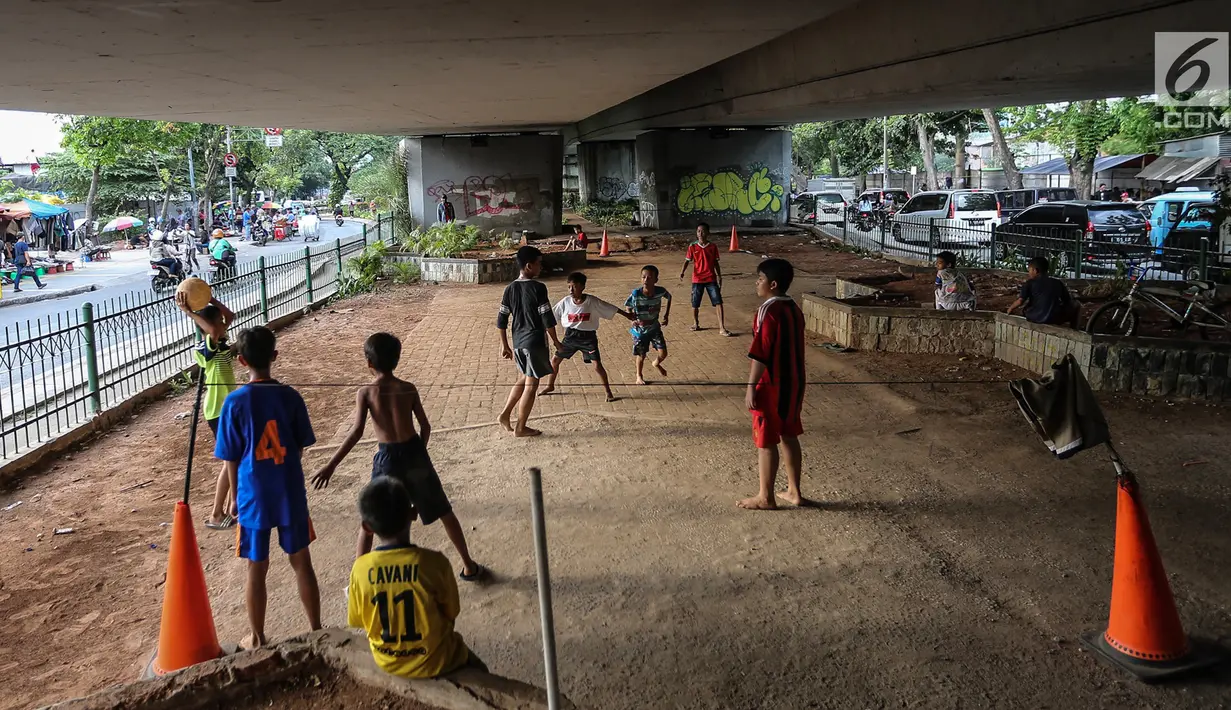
x: 507, y: 242
x: 608, y: 214
x: 1142, y: 129
x: 572, y: 199
x: 402, y: 272
x: 383, y: 180
x: 346, y: 153
x: 856, y: 145
x: 442, y: 240
x: 360, y: 273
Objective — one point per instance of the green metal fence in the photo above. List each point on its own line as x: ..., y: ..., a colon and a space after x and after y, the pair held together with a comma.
x: 59, y: 371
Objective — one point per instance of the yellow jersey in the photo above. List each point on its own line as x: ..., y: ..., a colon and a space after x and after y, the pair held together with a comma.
x: 405, y: 598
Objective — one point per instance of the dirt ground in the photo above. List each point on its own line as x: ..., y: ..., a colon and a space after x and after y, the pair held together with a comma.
x: 331, y: 691
x: 952, y: 562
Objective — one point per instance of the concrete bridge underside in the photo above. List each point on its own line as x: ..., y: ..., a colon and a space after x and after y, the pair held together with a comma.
x: 590, y: 70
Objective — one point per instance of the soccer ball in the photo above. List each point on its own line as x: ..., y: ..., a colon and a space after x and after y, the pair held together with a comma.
x: 196, y: 291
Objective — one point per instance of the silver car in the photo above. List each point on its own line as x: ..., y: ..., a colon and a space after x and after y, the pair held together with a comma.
x: 961, y: 218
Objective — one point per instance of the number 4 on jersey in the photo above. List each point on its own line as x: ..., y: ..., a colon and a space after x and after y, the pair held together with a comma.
x: 270, y: 447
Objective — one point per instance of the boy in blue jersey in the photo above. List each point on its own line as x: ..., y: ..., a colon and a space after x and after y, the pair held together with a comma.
x: 645, y: 304
x: 262, y: 433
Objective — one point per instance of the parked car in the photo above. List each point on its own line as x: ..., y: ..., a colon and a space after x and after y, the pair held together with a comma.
x: 1108, y: 230
x: 1014, y: 201
x: 1165, y: 210
x: 960, y: 218
x: 826, y: 207
x: 1193, y: 233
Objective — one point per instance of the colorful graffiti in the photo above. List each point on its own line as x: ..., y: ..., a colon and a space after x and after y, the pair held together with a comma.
x: 494, y: 195
x: 726, y: 191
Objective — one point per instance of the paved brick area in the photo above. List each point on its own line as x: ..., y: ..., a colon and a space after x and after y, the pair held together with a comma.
x: 453, y: 354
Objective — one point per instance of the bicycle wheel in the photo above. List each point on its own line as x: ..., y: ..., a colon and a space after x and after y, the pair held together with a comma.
x: 1213, y: 332
x: 1115, y: 318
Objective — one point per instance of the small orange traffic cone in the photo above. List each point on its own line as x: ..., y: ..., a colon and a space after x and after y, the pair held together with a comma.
x: 605, y: 249
x: 734, y: 240
x: 1144, y: 635
x: 187, y: 635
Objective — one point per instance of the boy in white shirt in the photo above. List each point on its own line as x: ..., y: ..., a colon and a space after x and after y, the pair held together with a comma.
x: 579, y: 314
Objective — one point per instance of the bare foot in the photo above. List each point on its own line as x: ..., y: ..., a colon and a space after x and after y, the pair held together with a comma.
x: 549, y: 389
x: 527, y: 432
x: 640, y: 380
x: 797, y: 500
x: 612, y: 398
x: 505, y: 421
x: 252, y: 641
x: 660, y: 368
x: 757, y: 503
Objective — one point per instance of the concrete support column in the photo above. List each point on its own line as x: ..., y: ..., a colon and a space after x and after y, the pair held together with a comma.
x: 501, y: 183
x: 607, y: 171
x: 719, y: 176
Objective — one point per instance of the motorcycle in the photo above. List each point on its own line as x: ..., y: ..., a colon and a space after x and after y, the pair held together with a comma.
x: 224, y: 267
x: 161, y: 278
x: 260, y: 233
x: 337, y: 219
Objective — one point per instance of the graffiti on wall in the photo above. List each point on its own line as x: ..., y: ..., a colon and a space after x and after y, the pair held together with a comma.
x: 613, y: 189
x: 726, y: 191
x: 647, y: 207
x: 486, y: 196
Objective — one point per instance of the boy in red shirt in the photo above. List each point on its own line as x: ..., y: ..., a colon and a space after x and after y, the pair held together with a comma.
x: 776, y: 384
x: 706, y: 277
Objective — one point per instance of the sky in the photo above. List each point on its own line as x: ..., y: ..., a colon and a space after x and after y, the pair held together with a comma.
x: 22, y: 131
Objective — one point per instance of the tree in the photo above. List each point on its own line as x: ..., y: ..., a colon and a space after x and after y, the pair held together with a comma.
x: 346, y: 152
x: 1008, y: 163
x: 925, y: 130
x: 96, y: 142
x: 1143, y: 126
x: 814, y: 149
x: 1077, y: 129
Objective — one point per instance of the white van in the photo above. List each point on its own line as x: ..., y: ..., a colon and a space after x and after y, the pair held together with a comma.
x: 950, y: 217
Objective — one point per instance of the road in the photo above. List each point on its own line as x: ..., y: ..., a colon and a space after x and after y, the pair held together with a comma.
x: 42, y: 384
x: 115, y: 285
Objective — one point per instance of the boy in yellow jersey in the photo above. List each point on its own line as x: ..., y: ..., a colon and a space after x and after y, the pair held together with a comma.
x: 404, y: 597
x: 216, y: 358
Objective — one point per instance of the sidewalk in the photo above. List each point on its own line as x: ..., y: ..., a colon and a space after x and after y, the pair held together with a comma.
x: 83, y: 278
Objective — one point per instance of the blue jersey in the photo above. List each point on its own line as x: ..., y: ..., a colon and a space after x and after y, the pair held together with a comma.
x: 264, y: 426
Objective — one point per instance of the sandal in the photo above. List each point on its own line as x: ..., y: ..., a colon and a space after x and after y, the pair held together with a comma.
x: 695, y: 328
x: 227, y: 523
x: 479, y: 573
x: 728, y: 334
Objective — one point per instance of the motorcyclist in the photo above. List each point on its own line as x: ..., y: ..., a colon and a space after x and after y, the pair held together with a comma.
x: 220, y: 248
x: 164, y: 254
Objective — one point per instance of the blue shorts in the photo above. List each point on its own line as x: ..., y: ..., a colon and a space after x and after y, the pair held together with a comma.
x: 642, y: 341
x: 709, y: 287
x: 252, y: 544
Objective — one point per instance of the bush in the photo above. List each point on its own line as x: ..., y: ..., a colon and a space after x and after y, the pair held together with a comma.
x: 402, y: 272
x: 442, y: 240
x: 608, y: 214
x: 359, y: 274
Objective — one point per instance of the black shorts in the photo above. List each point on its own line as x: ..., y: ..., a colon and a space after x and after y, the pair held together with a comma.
x: 213, y: 425
x: 409, y: 463
x: 643, y: 341
x: 579, y: 341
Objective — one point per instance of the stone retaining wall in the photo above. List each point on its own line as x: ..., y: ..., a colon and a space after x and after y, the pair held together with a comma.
x: 482, y: 271
x: 1144, y: 366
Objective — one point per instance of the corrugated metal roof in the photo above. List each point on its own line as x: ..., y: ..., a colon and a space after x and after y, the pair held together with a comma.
x: 1058, y: 166
x: 1171, y: 168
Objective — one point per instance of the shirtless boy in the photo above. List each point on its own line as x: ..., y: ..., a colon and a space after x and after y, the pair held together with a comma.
x: 394, y: 405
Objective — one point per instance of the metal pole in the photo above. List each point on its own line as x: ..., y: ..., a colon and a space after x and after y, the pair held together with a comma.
x: 540, y: 556
x: 91, y: 356
x: 192, y: 432
x: 260, y: 268
x: 192, y: 194
x: 230, y: 180
x: 885, y: 181
x: 307, y: 267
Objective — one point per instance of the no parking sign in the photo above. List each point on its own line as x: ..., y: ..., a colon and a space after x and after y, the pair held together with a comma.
x: 273, y: 137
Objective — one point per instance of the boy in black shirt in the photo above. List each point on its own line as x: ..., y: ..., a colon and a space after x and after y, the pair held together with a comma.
x: 1045, y: 299
x: 525, y: 301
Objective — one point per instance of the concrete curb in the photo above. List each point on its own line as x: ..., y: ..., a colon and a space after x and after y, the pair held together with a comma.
x: 47, y: 295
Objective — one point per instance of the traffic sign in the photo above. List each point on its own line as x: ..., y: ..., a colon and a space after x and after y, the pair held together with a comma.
x: 230, y: 160
x: 231, y: 171
x: 273, y: 131
x: 273, y: 141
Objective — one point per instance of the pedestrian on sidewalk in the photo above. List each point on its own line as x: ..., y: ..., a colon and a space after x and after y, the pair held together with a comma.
x: 24, y: 263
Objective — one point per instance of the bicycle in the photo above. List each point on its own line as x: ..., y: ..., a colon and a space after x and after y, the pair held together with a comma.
x: 1120, y: 317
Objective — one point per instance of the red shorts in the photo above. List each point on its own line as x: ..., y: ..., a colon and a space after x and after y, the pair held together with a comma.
x: 769, y: 425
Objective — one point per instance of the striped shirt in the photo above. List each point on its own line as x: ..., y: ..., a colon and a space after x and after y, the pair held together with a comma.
x: 525, y: 303
x: 778, y: 343
x: 216, y: 359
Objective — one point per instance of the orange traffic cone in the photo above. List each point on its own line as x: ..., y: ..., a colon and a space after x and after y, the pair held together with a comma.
x: 187, y: 635
x: 605, y: 249
x: 1144, y: 635
x: 734, y: 240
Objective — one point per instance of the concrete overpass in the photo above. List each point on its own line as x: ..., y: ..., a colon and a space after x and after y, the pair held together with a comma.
x: 583, y: 71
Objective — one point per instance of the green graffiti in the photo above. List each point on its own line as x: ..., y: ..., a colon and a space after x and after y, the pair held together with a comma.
x: 727, y: 192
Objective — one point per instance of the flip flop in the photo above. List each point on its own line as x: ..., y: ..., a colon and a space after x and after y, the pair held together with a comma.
x: 728, y: 334
x: 479, y: 573
x: 227, y: 523
x: 695, y: 328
